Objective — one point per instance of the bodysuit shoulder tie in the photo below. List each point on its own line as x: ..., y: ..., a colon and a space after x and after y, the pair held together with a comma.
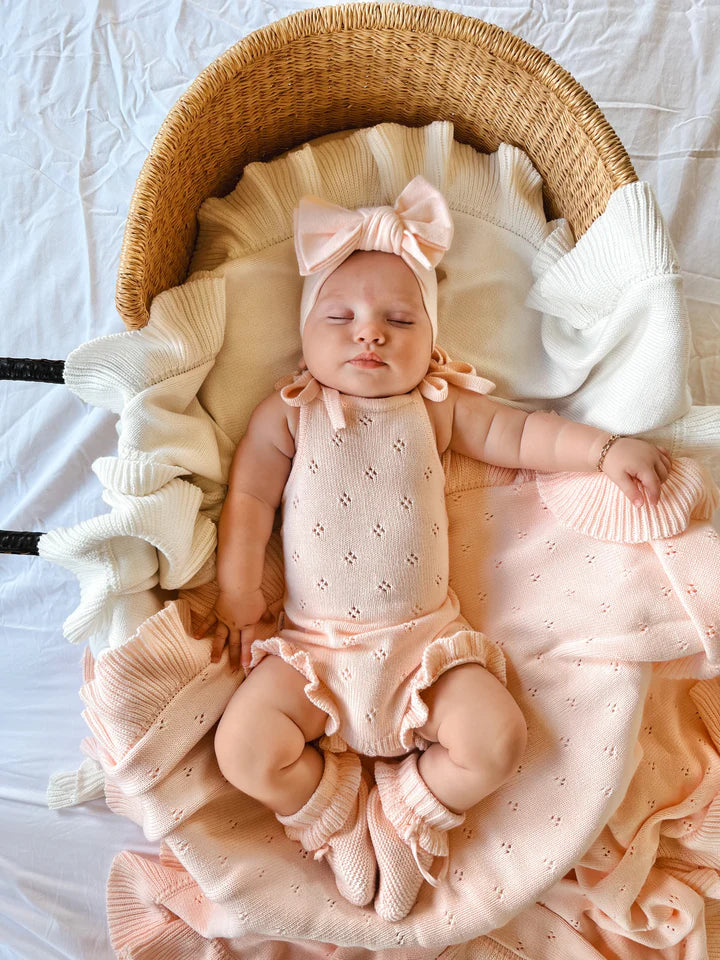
x: 443, y: 370
x: 301, y: 388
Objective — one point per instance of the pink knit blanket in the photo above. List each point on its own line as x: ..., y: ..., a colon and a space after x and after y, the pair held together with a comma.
x: 604, y: 843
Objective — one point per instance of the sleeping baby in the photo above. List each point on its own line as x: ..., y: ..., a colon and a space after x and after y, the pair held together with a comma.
x: 372, y: 657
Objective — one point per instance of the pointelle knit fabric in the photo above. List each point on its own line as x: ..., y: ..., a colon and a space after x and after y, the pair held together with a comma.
x: 532, y: 584
x: 368, y: 616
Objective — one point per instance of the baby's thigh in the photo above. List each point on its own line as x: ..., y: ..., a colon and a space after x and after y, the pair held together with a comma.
x: 268, y: 720
x: 474, y: 716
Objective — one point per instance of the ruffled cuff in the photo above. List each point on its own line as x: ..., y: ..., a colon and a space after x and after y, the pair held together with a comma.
x: 695, y: 434
x: 315, y: 690
x: 463, y: 646
x: 70, y: 789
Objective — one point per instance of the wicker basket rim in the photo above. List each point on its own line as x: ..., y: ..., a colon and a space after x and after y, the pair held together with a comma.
x: 444, y: 24
x: 319, y: 21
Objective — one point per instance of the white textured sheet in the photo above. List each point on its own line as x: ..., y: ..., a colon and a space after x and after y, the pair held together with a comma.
x: 86, y: 87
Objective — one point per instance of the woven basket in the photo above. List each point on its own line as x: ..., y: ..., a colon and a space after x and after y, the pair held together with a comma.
x: 337, y: 68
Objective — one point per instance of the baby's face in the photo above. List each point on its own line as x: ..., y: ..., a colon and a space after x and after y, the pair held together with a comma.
x: 370, y: 304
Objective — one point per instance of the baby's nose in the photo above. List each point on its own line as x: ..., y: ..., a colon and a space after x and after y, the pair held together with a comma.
x: 369, y: 332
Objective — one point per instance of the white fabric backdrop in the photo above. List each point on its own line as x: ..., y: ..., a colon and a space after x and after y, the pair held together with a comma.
x: 86, y: 87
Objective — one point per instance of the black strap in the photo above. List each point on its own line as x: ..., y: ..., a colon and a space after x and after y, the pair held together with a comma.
x: 16, y: 542
x: 43, y: 371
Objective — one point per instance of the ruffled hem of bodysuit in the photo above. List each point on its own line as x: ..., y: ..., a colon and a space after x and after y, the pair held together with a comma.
x: 315, y: 689
x: 463, y: 646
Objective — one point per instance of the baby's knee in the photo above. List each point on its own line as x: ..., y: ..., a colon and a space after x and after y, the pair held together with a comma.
x: 512, y: 742
x: 252, y: 745
x: 497, y: 741
x: 508, y: 740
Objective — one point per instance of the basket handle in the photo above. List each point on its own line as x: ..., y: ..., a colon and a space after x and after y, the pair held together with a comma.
x: 41, y: 371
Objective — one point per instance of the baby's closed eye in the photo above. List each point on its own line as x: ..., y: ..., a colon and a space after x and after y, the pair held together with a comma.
x: 396, y: 320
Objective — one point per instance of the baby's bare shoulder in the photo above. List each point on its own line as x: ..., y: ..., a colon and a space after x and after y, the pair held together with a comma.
x: 275, y: 421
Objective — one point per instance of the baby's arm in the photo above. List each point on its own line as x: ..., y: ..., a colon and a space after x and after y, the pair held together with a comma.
x: 496, y: 433
x: 258, y: 473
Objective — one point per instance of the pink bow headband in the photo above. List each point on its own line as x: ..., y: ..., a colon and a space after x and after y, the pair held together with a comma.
x: 418, y: 228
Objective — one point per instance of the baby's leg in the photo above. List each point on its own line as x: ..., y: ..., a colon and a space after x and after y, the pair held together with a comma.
x: 261, y: 740
x: 479, y: 735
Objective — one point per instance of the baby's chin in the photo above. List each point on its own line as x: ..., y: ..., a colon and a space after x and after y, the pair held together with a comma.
x: 366, y: 384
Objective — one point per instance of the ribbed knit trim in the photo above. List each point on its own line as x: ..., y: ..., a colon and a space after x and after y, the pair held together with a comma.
x: 464, y: 473
x: 412, y: 808
x: 703, y: 880
x: 200, y: 600
x: 122, y: 805
x: 502, y: 188
x: 712, y: 930
x: 483, y: 948
x: 330, y: 805
x: 695, y: 434
x: 627, y: 244
x: 709, y: 833
x: 137, y: 478
x: 559, y: 241
x: 168, y: 858
x: 186, y: 329
x: 421, y: 800
x: 70, y: 789
x: 706, y: 697
x: 135, y: 682
x: 88, y: 666
x: 592, y: 504
x: 140, y: 926
x: 164, y: 539
x: 370, y: 167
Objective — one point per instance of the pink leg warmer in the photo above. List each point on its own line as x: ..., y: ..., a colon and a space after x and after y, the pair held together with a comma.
x: 333, y: 823
x: 408, y: 827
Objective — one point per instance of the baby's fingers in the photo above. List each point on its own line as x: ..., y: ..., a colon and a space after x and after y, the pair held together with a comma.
x: 663, y: 470
x: 234, y: 649
x: 218, y: 643
x: 204, y: 627
x: 631, y: 488
x: 651, y: 484
x: 665, y: 457
x: 248, y: 635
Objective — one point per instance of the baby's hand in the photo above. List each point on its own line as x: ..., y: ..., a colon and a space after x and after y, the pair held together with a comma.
x: 234, y: 617
x: 638, y: 468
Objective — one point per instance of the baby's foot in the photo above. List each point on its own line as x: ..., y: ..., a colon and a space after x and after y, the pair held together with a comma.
x: 400, y: 878
x: 350, y: 853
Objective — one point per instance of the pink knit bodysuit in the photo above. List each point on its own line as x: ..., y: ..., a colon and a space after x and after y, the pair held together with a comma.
x: 369, y: 618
